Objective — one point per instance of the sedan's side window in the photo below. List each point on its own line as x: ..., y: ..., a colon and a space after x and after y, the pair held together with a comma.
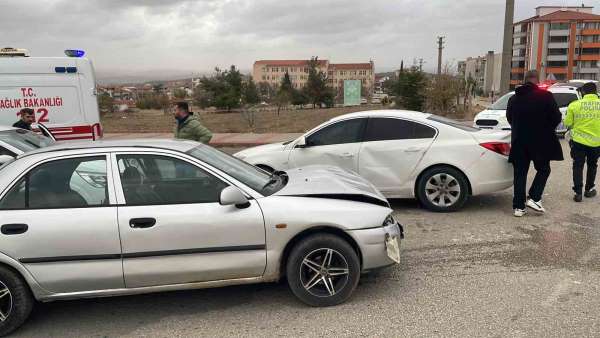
x: 385, y: 129
x: 68, y: 183
x: 166, y: 180
x: 348, y: 131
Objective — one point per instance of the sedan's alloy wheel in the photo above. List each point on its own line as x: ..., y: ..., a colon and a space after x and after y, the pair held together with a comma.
x: 6, y: 302
x: 442, y: 190
x: 324, y: 272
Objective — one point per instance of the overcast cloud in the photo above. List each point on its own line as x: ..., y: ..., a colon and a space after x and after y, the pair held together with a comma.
x: 132, y: 36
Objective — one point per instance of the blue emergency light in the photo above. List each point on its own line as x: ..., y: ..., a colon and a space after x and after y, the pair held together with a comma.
x: 74, y: 53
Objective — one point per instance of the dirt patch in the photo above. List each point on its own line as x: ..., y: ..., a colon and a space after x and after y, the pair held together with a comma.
x: 266, y: 120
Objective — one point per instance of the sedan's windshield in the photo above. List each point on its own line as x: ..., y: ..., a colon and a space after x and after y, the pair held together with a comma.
x: 248, y: 174
x: 24, y: 140
x: 502, y: 102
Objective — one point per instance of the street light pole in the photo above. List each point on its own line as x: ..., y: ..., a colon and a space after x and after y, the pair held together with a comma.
x: 507, y: 47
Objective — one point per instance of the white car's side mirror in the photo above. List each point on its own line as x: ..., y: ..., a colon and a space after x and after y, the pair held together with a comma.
x: 233, y: 196
x: 301, y: 142
x: 5, y: 158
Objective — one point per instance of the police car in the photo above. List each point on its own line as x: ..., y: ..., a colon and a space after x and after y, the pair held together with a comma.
x: 494, y: 117
x: 60, y: 90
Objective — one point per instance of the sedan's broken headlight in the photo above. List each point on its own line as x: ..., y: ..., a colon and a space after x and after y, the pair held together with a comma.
x: 389, y: 221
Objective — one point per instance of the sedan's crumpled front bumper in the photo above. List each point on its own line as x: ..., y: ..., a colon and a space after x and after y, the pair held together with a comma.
x: 372, y: 243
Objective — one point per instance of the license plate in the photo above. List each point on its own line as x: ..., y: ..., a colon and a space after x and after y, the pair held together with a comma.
x: 392, y: 246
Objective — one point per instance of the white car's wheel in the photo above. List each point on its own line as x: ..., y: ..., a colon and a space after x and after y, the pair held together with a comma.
x: 442, y: 189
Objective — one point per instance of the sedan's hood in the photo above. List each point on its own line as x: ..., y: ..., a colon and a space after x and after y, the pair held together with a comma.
x: 267, y: 148
x: 330, y: 182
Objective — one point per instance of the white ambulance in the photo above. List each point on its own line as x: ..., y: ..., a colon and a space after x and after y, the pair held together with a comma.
x: 60, y: 90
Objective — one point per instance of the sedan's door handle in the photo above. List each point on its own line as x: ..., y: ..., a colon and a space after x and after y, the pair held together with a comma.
x: 142, y: 222
x: 347, y: 155
x: 13, y: 229
x: 413, y: 150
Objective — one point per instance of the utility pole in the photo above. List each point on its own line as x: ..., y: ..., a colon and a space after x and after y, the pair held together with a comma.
x: 507, y: 47
x: 440, y: 49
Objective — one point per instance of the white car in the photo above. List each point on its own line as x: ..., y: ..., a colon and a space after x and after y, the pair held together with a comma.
x: 404, y: 154
x: 495, y: 116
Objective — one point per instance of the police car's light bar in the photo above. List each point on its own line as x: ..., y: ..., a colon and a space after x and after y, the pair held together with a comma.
x: 74, y: 53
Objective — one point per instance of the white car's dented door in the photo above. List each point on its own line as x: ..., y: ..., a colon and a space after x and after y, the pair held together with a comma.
x: 391, y: 151
x: 336, y: 144
x: 173, y: 229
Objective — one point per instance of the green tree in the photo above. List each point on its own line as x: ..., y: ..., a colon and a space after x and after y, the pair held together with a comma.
x: 222, y: 90
x: 284, y: 93
x: 266, y: 91
x: 316, y: 89
x: 179, y: 93
x: 410, y: 89
x: 250, y: 92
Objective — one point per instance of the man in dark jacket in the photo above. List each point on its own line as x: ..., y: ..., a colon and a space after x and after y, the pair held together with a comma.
x: 27, y: 118
x: 533, y: 116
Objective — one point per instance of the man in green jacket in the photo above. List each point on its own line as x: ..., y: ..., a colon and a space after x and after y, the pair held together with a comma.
x: 583, y: 119
x: 188, y: 127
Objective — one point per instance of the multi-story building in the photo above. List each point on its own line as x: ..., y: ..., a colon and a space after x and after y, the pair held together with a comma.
x: 561, y: 43
x: 273, y: 71
x: 485, y: 70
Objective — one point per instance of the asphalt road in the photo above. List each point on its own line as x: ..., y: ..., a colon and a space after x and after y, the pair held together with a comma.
x: 479, y: 272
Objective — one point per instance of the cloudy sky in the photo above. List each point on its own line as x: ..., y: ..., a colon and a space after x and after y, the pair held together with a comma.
x: 129, y: 36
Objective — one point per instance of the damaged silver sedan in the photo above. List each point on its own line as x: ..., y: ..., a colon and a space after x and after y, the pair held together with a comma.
x: 127, y: 217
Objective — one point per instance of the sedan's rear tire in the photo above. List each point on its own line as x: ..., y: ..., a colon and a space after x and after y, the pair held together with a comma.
x: 443, y: 189
x: 16, y: 301
x: 323, y: 270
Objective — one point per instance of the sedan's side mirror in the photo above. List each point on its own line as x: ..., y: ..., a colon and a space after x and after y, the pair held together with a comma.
x: 5, y: 158
x: 301, y: 142
x: 233, y: 196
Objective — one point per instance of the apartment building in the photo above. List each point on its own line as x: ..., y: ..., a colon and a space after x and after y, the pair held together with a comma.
x: 562, y: 43
x: 273, y: 71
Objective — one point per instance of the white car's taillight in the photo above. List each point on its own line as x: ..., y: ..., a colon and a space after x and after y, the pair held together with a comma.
x: 501, y: 148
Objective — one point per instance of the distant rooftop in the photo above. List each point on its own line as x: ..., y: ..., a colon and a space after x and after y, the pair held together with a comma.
x: 561, y: 15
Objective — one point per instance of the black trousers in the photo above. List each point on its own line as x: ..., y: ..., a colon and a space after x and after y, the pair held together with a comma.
x: 521, y: 169
x: 581, y: 155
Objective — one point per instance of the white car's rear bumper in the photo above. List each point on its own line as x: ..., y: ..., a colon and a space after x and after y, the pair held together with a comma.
x: 492, y: 174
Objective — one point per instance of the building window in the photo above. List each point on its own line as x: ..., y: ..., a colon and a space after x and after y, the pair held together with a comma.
x: 590, y: 51
x: 559, y: 26
x: 330, y: 73
x: 592, y: 25
x: 264, y: 78
x: 557, y: 51
x: 557, y: 63
x: 559, y: 39
x: 518, y: 64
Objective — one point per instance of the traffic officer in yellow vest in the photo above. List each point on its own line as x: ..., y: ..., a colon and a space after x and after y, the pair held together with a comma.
x: 583, y: 119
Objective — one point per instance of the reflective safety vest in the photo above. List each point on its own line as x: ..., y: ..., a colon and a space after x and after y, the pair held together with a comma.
x: 583, y: 118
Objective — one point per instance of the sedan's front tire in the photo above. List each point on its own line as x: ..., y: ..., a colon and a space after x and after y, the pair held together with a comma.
x: 323, y: 270
x: 16, y: 301
x: 442, y: 189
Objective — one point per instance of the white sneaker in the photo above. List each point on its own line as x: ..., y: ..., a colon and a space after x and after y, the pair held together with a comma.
x: 537, y: 206
x: 520, y: 212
